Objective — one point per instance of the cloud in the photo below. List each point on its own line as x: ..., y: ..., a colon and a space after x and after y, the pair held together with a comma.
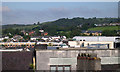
x: 4, y: 8
x: 54, y: 13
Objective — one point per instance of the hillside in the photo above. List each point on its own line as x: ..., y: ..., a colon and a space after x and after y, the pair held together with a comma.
x: 15, y: 26
x: 104, y: 28
x: 65, y: 22
x: 63, y: 26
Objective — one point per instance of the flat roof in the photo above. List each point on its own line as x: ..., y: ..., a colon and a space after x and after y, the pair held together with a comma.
x: 61, y: 49
x: 4, y: 50
x: 96, y: 36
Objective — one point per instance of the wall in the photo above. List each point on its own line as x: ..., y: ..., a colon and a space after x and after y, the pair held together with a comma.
x: 111, y: 44
x: 45, y: 58
x: 0, y: 61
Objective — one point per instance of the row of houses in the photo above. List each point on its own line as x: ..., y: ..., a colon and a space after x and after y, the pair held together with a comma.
x: 19, y: 38
x: 95, y: 33
x: 31, y: 33
x: 106, y: 24
x: 78, y: 41
x: 92, y: 33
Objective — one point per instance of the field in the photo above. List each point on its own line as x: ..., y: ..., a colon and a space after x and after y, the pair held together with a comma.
x: 105, y: 28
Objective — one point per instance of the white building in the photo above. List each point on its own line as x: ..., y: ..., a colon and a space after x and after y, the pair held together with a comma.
x: 67, y: 59
x: 98, y: 38
x: 1, y: 39
x: 95, y: 42
x: 34, y: 38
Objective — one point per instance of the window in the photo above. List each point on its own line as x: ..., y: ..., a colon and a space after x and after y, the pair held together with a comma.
x: 82, y: 45
x: 80, y: 40
x: 53, y: 68
x: 67, y: 68
x: 60, y: 68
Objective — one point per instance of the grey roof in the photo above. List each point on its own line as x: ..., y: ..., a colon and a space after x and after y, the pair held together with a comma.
x: 91, y: 31
x: 96, y: 38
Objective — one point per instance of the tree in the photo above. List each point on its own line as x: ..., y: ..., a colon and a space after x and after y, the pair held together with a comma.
x: 90, y: 34
x: 10, y: 36
x: 38, y: 23
x: 5, y: 40
x: 26, y: 37
x: 109, y: 33
x: 21, y: 33
x: 34, y: 23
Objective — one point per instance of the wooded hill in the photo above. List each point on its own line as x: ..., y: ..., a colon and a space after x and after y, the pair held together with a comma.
x: 63, y: 26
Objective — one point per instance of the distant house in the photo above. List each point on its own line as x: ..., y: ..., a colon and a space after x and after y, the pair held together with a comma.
x: 118, y: 32
x: 45, y: 38
x: 35, y: 38
x: 44, y: 34
x: 93, y: 33
x: 1, y: 39
x: 32, y: 32
x: 41, y: 30
x: 108, y: 24
x: 98, y: 24
x: 17, y: 37
x: 55, y: 37
x: 6, y: 37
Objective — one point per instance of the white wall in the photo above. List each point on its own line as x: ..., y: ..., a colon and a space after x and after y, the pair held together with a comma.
x: 95, y: 38
x: 79, y: 43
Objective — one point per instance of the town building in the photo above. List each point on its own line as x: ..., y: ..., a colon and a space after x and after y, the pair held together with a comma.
x: 17, y: 44
x: 2, y: 38
x: 44, y: 34
x: 17, y: 38
x: 95, y: 42
x: 52, y: 60
x: 107, y: 24
x: 31, y: 33
x: 92, y: 33
x: 35, y: 38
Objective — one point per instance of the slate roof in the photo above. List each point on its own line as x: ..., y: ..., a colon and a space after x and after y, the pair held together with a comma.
x: 91, y: 31
x: 16, y: 60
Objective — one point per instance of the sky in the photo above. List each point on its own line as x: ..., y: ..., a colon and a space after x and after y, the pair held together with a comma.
x: 32, y: 12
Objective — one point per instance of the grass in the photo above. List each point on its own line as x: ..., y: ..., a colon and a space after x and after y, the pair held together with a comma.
x: 104, y: 28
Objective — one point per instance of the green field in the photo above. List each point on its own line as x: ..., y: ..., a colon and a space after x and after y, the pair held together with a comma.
x: 104, y: 28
